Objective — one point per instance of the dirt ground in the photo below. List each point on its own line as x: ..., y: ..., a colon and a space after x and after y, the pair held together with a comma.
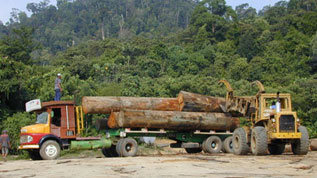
x: 167, y: 165
x: 163, y: 161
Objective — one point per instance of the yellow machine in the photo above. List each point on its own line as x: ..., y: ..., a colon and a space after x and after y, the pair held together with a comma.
x: 271, y: 123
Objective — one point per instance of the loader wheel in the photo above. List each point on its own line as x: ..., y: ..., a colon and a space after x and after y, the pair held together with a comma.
x: 50, y: 150
x: 213, y: 144
x: 193, y: 150
x: 276, y: 149
x: 128, y: 147
x: 259, y: 141
x: 228, y: 145
x: 34, y: 154
x: 110, y: 152
x: 239, y: 142
x: 300, y: 146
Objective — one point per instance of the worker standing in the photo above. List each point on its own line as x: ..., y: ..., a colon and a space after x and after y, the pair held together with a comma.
x: 5, y: 144
x: 58, y: 87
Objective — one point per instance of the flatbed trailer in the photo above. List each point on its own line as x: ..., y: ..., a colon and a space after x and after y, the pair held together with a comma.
x: 124, y: 140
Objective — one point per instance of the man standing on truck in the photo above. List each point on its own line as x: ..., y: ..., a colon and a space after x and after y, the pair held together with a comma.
x: 58, y: 87
x: 5, y: 144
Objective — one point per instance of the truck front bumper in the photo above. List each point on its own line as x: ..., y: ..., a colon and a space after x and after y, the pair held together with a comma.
x: 297, y: 135
x: 22, y: 147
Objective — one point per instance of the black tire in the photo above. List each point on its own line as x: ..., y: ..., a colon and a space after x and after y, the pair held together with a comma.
x: 118, y: 147
x: 300, y: 146
x: 128, y: 147
x: 213, y: 144
x: 276, y: 149
x: 193, y: 150
x: 50, y: 150
x: 203, y: 146
x: 259, y: 144
x: 239, y: 142
x: 34, y: 154
x: 228, y: 145
x: 110, y: 152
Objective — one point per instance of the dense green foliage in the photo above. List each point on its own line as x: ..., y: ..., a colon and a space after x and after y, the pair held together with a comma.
x: 145, y: 52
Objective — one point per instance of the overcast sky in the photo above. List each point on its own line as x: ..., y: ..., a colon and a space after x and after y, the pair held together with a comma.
x: 7, y: 5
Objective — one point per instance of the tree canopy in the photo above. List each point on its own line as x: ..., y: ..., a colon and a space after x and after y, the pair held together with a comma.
x: 157, y: 48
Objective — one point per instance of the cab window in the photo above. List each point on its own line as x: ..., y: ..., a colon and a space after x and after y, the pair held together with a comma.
x: 42, y: 118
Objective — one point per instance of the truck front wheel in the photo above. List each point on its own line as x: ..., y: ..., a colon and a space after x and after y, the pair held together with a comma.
x: 50, y: 150
x: 300, y: 146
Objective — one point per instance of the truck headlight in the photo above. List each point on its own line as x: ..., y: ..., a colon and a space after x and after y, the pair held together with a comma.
x: 24, y: 131
x: 29, y: 139
x: 273, y: 120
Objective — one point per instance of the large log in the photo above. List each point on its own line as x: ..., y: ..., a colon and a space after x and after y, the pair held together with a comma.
x: 105, y: 104
x: 172, y: 120
x: 193, y: 102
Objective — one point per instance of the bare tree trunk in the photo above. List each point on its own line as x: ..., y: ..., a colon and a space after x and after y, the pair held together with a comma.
x: 173, y: 120
x: 107, y: 104
x: 193, y: 102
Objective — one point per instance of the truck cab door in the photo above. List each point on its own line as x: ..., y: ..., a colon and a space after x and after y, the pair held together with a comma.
x: 56, y: 115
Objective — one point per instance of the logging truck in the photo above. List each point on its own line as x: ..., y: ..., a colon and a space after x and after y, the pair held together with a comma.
x: 194, y: 121
x: 271, y: 123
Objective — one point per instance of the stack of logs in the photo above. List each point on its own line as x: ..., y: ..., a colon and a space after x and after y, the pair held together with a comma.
x: 189, y: 111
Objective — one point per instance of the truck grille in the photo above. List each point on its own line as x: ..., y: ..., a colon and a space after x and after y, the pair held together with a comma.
x: 287, y: 123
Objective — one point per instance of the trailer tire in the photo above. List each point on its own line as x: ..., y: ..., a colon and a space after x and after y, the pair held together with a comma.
x: 128, y: 147
x: 228, y: 145
x: 50, y: 150
x: 34, y: 154
x: 193, y: 150
x: 110, y: 152
x: 239, y: 142
x: 213, y: 144
x: 118, y: 147
x: 300, y: 146
x: 203, y: 146
x: 276, y: 149
x: 259, y: 143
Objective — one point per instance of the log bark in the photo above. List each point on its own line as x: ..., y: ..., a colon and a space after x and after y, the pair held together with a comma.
x: 193, y: 102
x: 172, y: 120
x: 105, y: 104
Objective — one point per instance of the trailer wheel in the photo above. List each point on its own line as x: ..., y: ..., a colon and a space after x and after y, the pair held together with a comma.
x: 110, y: 152
x: 300, y: 146
x: 239, y: 142
x: 228, y: 145
x: 213, y: 144
x: 34, y: 154
x: 128, y: 147
x: 193, y: 150
x: 118, y: 146
x: 259, y: 141
x: 276, y: 149
x: 50, y: 150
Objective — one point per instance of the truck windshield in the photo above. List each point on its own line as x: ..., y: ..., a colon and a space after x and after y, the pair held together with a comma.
x: 42, y: 118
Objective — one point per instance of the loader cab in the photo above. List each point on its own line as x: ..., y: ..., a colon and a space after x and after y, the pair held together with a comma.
x: 276, y: 111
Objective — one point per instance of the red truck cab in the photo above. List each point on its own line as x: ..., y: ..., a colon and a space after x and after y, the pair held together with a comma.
x: 55, y: 127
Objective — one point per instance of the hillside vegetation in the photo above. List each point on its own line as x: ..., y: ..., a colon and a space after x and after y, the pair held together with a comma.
x: 157, y: 48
